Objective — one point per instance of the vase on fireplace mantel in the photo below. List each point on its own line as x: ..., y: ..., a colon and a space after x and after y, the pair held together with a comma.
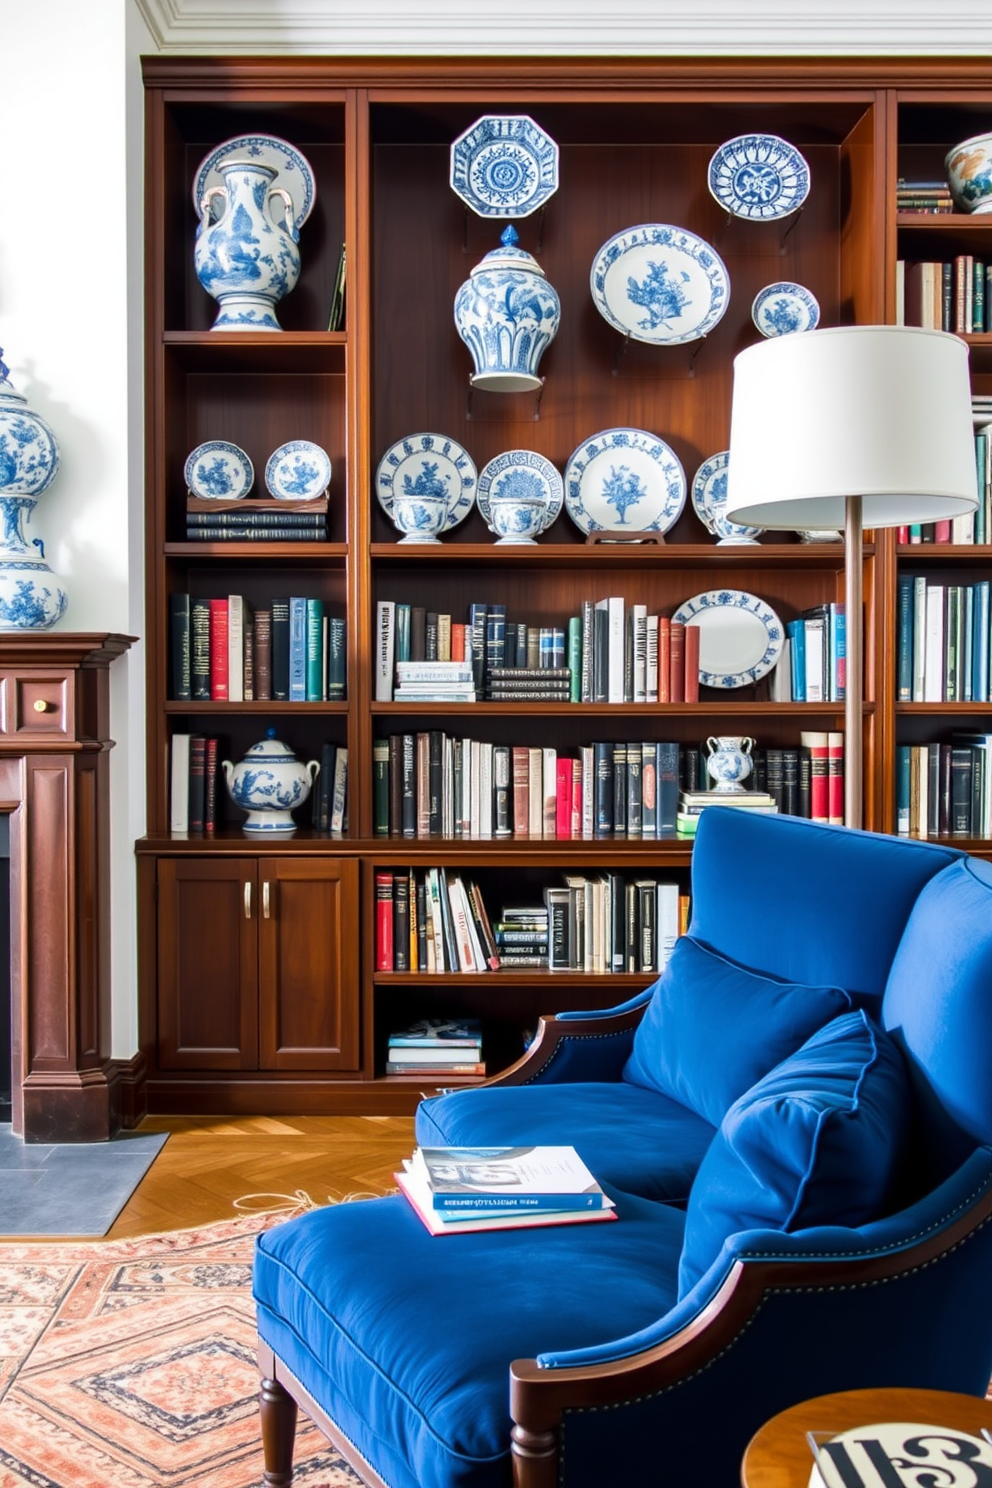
x: 31, y: 597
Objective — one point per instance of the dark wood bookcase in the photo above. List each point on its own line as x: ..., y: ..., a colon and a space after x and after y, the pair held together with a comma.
x: 258, y: 990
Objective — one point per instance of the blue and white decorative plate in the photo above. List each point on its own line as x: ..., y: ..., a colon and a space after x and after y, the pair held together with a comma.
x: 219, y: 470
x: 709, y: 500
x: 298, y: 471
x: 295, y: 172
x: 428, y: 465
x: 624, y: 480
x: 504, y: 166
x: 521, y: 475
x: 659, y: 284
x: 759, y: 176
x: 740, y: 636
x: 780, y: 309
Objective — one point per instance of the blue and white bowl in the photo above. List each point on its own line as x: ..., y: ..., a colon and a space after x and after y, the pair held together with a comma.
x: 504, y: 166
x: 784, y: 308
x: 516, y: 519
x: 521, y: 475
x: 420, y: 517
x: 758, y: 176
x: 969, y: 174
x: 298, y: 471
x: 219, y: 471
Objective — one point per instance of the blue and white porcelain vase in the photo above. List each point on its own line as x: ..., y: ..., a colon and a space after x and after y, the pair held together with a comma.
x: 269, y: 783
x: 729, y: 763
x: 31, y: 597
x: 507, y: 314
x: 247, y: 258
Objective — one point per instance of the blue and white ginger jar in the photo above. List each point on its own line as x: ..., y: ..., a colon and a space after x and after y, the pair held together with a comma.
x: 247, y: 258
x: 269, y: 783
x: 507, y: 314
x: 31, y: 597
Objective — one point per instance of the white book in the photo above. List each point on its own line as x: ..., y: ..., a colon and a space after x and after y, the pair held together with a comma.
x: 919, y: 637
x: 597, y: 942
x: 463, y: 941
x: 781, y: 682
x: 549, y: 793
x: 385, y: 646
x: 434, y: 909
x: 668, y: 921
x: 535, y: 793
x: 933, y: 678
x: 589, y: 894
x: 478, y: 953
x: 815, y: 679
x: 963, y: 529
x: 900, y: 291
x: 179, y: 794
x: 475, y: 769
x: 465, y: 802
x: 924, y: 818
x: 485, y: 790
x: 588, y: 762
x: 615, y: 650
x: 433, y: 671
x: 339, y: 791
x: 651, y: 669
x: 235, y: 648
x: 639, y: 621
x: 447, y: 787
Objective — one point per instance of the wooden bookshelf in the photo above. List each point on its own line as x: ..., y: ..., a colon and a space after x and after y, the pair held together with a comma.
x: 243, y: 1010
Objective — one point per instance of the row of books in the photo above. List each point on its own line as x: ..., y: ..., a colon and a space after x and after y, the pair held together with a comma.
x: 923, y: 196
x: 457, y: 1190
x: 972, y: 527
x: 943, y: 641
x: 193, y: 786
x: 227, y: 650
x: 436, y: 1046
x: 255, y: 519
x: 611, y: 652
x: 816, y: 658
x: 954, y: 295
x: 945, y: 790
x: 436, y: 920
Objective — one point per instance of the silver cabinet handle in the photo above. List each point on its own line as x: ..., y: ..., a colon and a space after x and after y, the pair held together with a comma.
x: 266, y: 914
x: 248, y: 900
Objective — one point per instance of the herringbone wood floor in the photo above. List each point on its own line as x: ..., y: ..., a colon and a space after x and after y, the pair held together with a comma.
x: 208, y: 1163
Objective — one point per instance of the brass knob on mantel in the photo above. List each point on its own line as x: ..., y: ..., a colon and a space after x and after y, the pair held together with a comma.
x: 42, y: 707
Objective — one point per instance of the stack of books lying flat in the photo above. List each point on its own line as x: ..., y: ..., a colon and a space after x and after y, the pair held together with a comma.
x: 455, y: 1190
x: 693, y: 803
x: 256, y: 520
x: 434, y: 682
x: 437, y: 1046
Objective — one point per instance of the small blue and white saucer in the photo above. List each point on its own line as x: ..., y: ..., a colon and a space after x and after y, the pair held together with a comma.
x: 218, y: 471
x: 783, y: 308
x: 758, y: 176
x: 298, y: 471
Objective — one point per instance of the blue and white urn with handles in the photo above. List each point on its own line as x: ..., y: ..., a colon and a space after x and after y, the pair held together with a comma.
x: 246, y: 252
x: 729, y: 763
x: 507, y: 314
x: 269, y: 783
x: 31, y: 597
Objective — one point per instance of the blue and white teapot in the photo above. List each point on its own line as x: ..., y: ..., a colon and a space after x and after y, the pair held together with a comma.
x: 268, y: 783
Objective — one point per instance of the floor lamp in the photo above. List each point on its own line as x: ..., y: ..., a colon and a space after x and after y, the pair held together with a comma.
x: 853, y: 427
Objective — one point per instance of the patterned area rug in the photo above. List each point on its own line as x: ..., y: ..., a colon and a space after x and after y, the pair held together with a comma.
x: 131, y: 1364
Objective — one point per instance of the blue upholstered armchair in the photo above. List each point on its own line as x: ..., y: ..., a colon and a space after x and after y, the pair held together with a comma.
x: 795, y: 1123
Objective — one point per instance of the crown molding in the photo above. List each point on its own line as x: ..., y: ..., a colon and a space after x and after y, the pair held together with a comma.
x: 570, y: 27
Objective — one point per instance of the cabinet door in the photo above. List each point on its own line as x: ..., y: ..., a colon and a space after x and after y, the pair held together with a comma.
x: 308, y: 964
x: 207, y: 963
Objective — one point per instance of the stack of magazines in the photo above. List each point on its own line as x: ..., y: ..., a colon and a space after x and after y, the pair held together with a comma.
x: 455, y: 1190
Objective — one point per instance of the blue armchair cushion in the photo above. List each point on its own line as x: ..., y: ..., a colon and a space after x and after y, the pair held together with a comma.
x: 819, y: 1140
x: 402, y: 1339
x: 625, y: 1134
x: 713, y: 1028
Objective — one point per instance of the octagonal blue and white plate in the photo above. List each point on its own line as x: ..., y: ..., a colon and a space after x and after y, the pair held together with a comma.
x: 659, y: 284
x: 298, y: 471
x: 740, y: 636
x: 295, y: 174
x: 521, y: 474
x: 428, y: 464
x: 709, y: 500
x: 219, y: 471
x: 758, y: 176
x: 624, y: 480
x: 504, y: 166
x: 784, y: 308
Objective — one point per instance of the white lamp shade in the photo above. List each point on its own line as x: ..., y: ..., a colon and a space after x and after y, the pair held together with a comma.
x: 881, y: 412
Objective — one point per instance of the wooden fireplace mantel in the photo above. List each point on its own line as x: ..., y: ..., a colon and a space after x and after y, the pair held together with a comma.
x: 54, y: 782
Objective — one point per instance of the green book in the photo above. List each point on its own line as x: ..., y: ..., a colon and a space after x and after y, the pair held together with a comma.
x: 315, y: 651
x: 575, y: 658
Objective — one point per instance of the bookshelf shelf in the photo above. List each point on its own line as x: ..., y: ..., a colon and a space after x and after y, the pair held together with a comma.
x: 378, y: 135
x: 624, y: 983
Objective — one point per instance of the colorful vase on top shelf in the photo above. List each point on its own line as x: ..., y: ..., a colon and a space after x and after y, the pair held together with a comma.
x: 269, y: 783
x: 31, y: 597
x: 507, y: 314
x: 246, y: 253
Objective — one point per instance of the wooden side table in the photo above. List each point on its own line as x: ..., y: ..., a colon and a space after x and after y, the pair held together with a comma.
x: 778, y: 1456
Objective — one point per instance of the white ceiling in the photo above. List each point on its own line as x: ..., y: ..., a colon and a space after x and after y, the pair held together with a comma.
x: 574, y: 27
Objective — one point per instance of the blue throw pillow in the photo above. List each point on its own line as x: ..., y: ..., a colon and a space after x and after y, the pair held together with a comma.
x: 713, y: 1028
x: 819, y: 1140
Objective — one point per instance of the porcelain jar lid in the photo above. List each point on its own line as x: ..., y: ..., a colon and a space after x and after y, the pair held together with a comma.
x: 509, y: 256
x: 7, y: 388
x: 270, y: 750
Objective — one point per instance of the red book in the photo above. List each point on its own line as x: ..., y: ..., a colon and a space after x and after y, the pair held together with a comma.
x: 458, y: 641
x: 942, y: 532
x: 520, y: 767
x: 677, y: 662
x: 692, y: 663
x: 210, y: 788
x: 384, y: 922
x: 835, y: 779
x: 218, y: 650
x: 902, y: 534
x: 664, y: 659
x: 563, y: 806
x: 576, y: 798
x: 819, y: 794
